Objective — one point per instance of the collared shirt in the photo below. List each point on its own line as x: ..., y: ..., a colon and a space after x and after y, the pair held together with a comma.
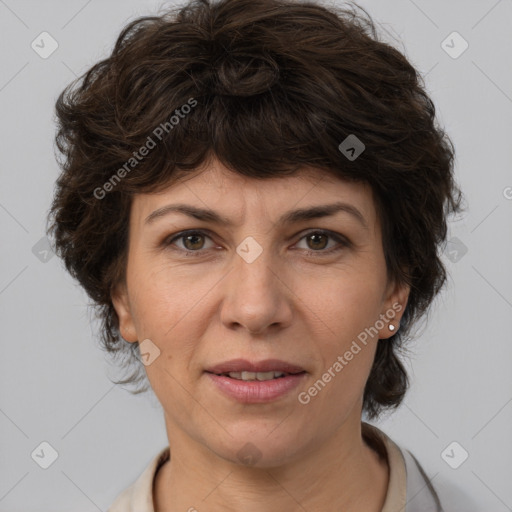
x: 409, y: 489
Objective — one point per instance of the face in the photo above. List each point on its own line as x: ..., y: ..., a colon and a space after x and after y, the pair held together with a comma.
x: 305, y: 290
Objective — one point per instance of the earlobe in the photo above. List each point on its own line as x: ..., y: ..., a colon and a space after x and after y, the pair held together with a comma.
x: 119, y: 297
x: 394, y: 308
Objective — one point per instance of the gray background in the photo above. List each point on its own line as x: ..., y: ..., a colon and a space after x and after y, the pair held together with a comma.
x: 54, y: 378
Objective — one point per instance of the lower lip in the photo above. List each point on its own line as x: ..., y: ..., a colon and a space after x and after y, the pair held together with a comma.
x: 255, y: 391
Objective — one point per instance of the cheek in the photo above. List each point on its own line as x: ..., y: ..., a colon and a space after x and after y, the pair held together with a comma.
x: 344, y: 312
x: 167, y: 317
x: 167, y: 310
x: 346, y: 305
x: 347, y: 351
x: 157, y: 301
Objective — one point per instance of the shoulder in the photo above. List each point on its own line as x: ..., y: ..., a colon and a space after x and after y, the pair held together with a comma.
x: 421, y: 494
x: 409, y: 489
x: 138, y: 497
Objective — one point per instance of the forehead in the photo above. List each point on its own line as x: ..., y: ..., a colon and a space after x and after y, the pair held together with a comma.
x: 234, y: 195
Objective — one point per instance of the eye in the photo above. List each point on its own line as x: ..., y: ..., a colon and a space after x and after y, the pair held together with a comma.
x: 191, y: 241
x: 317, y: 242
x: 193, y: 244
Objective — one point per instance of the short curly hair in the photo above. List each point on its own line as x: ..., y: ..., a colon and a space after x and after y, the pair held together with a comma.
x: 267, y: 87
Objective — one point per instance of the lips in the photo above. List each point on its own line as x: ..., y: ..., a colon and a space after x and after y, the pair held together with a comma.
x: 255, y: 383
x: 243, y: 365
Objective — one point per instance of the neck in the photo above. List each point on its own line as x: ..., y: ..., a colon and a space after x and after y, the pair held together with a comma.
x: 342, y: 473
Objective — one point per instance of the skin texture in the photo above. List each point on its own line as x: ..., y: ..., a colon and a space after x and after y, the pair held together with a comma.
x: 306, y: 309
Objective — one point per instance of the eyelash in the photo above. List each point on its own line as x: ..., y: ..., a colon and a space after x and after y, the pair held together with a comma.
x: 344, y: 243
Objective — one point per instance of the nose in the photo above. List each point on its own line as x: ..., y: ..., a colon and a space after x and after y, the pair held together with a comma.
x: 257, y: 296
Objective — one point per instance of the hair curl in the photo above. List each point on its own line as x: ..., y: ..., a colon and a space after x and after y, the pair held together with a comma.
x: 277, y: 85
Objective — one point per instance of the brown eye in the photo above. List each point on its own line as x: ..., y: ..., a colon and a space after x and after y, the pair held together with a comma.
x: 191, y: 242
x: 316, y: 241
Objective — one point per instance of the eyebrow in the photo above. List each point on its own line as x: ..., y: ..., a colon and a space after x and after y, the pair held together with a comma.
x: 294, y: 216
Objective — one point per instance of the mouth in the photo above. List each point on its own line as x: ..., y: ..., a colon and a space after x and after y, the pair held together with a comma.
x: 259, y: 376
x: 242, y: 369
x: 256, y: 382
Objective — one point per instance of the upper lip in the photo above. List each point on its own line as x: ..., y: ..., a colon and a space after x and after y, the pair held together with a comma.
x: 241, y: 365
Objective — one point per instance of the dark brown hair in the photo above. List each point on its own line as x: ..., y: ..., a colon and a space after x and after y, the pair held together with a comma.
x: 270, y: 86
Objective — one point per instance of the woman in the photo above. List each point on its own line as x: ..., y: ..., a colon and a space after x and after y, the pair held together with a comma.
x: 253, y: 193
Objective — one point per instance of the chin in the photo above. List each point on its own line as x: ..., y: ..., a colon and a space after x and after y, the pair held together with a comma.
x: 256, y: 445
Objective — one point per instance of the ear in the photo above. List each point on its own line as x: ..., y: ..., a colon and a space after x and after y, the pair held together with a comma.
x: 121, y: 303
x: 396, y: 298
